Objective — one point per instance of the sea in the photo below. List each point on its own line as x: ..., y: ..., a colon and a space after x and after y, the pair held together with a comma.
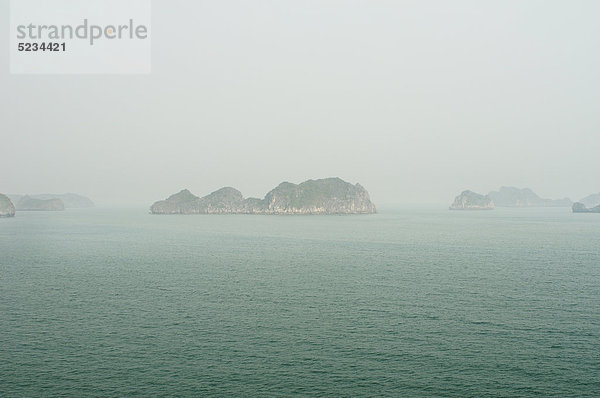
x: 416, y: 301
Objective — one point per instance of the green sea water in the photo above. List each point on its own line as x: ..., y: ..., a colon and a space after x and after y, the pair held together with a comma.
x: 415, y: 302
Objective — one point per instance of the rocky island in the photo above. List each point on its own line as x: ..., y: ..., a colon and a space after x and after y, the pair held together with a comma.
x: 515, y: 197
x: 27, y: 203
x: 7, y: 209
x: 592, y: 200
x: 581, y: 208
x: 469, y: 200
x: 324, y: 196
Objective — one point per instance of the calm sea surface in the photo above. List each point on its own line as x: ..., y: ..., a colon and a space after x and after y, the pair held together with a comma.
x: 410, y: 302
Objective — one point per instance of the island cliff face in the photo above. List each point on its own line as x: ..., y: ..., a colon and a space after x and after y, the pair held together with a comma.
x: 325, y: 196
x: 7, y: 209
x: 515, y: 197
x: 28, y: 203
x: 581, y: 208
x: 469, y: 200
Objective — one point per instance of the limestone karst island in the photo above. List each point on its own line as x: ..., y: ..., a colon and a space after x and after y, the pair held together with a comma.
x: 324, y: 196
x: 589, y: 204
x: 469, y: 200
x: 581, y: 208
x: 7, y: 208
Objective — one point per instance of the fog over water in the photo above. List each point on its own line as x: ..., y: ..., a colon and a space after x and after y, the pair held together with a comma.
x: 415, y: 100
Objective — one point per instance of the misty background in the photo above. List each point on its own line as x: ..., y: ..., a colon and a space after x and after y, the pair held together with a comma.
x: 415, y: 100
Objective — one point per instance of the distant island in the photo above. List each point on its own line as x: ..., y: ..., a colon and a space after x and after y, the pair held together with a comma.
x: 581, y: 208
x: 69, y: 200
x: 505, y: 197
x: 7, y: 208
x: 27, y: 203
x: 324, y: 196
x: 515, y: 197
x: 469, y: 200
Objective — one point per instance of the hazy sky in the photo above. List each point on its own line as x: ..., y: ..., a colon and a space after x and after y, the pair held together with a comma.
x: 416, y: 100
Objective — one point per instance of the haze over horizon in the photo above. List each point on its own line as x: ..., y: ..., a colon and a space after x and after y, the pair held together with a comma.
x: 414, y: 100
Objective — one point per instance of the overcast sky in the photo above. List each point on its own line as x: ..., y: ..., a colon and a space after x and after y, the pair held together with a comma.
x: 416, y: 100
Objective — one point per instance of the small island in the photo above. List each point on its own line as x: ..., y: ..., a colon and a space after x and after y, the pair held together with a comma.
x: 324, y: 196
x: 469, y: 200
x: 581, y: 208
x: 7, y: 209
